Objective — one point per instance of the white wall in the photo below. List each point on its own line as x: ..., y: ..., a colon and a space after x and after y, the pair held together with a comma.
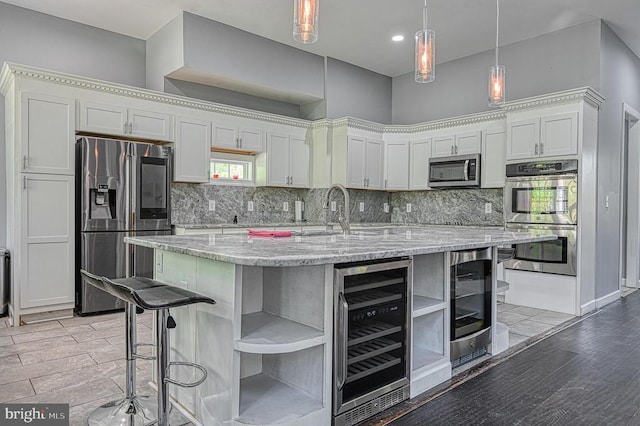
x: 619, y: 83
x: 41, y: 40
x: 565, y: 59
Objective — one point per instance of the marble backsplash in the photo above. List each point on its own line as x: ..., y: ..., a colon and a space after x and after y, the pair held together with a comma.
x: 190, y: 204
x: 448, y: 207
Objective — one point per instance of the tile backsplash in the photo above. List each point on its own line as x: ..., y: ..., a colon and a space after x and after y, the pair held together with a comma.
x: 449, y: 207
x: 190, y: 205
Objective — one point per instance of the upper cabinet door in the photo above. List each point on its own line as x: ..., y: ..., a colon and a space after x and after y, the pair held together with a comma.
x: 468, y: 143
x: 397, y: 161
x: 103, y: 119
x: 492, y: 169
x: 120, y: 121
x: 250, y: 139
x: 192, y: 151
x: 443, y: 146
x: 299, y: 162
x: 150, y: 125
x: 225, y: 136
x: 356, y: 149
x: 559, y: 135
x: 278, y: 159
x: 522, y: 139
x: 419, y: 154
x: 48, y: 134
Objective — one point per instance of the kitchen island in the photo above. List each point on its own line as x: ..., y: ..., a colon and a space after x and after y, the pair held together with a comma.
x: 267, y: 343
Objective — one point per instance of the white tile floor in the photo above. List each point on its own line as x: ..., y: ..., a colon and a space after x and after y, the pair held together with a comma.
x: 524, y: 322
x: 77, y: 361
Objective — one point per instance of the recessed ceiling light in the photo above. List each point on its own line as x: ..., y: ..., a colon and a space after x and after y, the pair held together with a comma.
x: 397, y: 37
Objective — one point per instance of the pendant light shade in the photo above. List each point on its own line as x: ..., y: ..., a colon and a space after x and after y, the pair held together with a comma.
x: 497, y: 73
x: 425, y: 52
x: 496, y: 85
x: 305, y: 21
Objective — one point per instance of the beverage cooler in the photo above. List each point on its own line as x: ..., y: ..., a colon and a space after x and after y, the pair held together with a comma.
x: 371, y: 335
x: 471, y: 283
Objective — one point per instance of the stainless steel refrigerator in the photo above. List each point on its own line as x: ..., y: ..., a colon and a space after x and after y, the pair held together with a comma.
x: 122, y: 188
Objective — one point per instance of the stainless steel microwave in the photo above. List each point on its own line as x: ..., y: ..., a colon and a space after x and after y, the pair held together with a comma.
x: 460, y: 171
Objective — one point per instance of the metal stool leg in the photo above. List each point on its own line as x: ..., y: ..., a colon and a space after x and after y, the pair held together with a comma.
x: 162, y: 355
x: 133, y: 410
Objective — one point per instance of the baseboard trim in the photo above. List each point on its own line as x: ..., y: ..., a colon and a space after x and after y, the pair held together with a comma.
x: 587, y: 307
x: 605, y: 300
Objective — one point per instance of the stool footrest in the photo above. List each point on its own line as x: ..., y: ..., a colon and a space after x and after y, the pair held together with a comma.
x: 147, y: 357
x: 183, y: 384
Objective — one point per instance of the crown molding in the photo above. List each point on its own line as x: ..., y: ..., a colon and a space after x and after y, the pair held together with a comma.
x: 447, y: 123
x: 586, y: 94
x: 22, y: 71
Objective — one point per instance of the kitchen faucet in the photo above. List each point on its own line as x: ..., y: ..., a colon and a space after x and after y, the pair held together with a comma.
x: 342, y: 220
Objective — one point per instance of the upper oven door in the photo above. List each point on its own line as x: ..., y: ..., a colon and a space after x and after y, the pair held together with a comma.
x: 542, y: 199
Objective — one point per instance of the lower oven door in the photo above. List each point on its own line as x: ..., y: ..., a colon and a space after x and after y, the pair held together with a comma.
x: 553, y: 257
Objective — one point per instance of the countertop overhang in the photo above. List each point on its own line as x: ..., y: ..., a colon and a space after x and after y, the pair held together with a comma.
x: 319, y: 248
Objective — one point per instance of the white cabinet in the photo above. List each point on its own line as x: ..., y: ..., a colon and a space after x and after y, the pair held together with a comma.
x: 48, y: 134
x: 122, y: 121
x: 492, y: 168
x: 231, y: 135
x: 456, y: 144
x: 396, y: 159
x: 364, y: 163
x: 284, y: 163
x: 419, y: 154
x: 192, y: 150
x: 47, y: 262
x: 546, y: 136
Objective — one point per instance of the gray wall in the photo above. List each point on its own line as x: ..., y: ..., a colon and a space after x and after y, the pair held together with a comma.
x: 556, y: 61
x: 239, y: 56
x: 357, y: 92
x: 620, y: 83
x: 41, y: 40
x: 164, y: 53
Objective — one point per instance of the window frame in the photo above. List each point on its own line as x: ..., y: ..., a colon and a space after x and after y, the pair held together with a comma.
x: 230, y: 158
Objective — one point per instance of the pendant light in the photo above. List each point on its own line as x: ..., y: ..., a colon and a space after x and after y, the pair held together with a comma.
x: 305, y: 21
x: 497, y: 73
x: 425, y: 51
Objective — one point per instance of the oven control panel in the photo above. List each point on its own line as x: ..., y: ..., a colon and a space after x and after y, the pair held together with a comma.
x: 542, y: 168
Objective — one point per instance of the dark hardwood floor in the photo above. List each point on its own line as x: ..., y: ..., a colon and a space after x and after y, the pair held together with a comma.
x: 586, y: 374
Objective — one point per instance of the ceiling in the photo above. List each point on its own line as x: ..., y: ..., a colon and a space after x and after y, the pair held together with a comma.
x: 359, y: 31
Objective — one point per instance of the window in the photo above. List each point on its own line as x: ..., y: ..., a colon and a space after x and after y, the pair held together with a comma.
x: 231, y: 168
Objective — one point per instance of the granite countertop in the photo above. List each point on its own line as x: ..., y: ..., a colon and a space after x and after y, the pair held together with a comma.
x: 318, y: 248
x: 302, y: 225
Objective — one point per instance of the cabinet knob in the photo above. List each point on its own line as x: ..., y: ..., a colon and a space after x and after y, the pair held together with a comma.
x: 541, y: 148
x: 25, y: 162
x: 456, y: 149
x: 535, y: 149
x: 130, y: 128
x: 24, y: 183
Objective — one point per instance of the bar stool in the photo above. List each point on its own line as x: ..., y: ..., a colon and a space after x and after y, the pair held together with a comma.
x: 148, y: 294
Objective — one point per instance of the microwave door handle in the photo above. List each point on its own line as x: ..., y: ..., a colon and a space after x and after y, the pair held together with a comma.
x: 466, y: 170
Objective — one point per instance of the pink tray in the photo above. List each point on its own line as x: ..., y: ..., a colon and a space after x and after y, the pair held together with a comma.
x: 256, y: 233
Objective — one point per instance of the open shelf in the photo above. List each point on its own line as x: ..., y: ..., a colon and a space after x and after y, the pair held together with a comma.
x: 270, y: 334
x: 265, y: 400
x: 423, y: 357
x: 425, y: 305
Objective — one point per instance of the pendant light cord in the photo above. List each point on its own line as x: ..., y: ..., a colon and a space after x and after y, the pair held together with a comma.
x: 497, y: 28
x: 424, y: 16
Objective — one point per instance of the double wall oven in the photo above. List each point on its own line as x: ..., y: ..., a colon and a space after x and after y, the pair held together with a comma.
x: 371, y: 335
x: 542, y: 197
